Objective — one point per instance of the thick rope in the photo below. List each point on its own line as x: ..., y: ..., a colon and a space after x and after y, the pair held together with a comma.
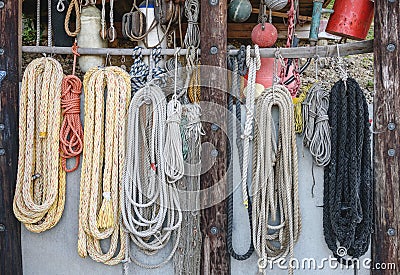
x: 276, y: 213
x: 139, y: 70
x: 348, y: 216
x: 71, y: 133
x: 254, y: 64
x: 102, y: 166
x: 150, y: 207
x: 317, y: 132
x: 74, y: 4
x: 40, y: 190
x: 235, y: 91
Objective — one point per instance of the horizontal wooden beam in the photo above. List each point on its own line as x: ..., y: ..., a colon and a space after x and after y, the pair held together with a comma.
x: 300, y: 52
x: 284, y: 15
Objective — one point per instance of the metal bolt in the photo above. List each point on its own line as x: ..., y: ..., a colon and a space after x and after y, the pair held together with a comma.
x: 214, y: 230
x: 391, y: 152
x: 213, y: 2
x: 391, y: 126
x: 2, y: 4
x: 2, y: 152
x: 214, y: 127
x: 392, y: 1
x: 213, y: 50
x: 2, y: 127
x: 214, y: 153
x: 391, y: 47
x: 2, y: 227
x: 1, y: 51
x: 391, y: 232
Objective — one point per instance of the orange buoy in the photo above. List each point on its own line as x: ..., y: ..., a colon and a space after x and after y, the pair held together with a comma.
x: 264, y: 37
x: 351, y: 18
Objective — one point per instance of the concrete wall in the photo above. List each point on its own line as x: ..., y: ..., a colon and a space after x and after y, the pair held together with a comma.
x: 55, y: 251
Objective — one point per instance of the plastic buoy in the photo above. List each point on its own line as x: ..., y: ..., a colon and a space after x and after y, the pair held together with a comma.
x: 239, y: 10
x: 264, y: 38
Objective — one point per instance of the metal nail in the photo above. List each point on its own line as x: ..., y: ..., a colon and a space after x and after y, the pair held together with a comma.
x: 391, y: 231
x: 214, y: 153
x: 391, y: 126
x: 2, y: 4
x: 214, y: 230
x: 391, y: 47
x: 391, y: 152
x: 214, y: 127
x: 2, y: 227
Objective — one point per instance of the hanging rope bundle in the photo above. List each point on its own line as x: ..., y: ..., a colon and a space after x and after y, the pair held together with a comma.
x: 71, y: 133
x: 254, y: 64
x: 192, y: 36
x: 348, y: 177
x: 276, y: 213
x: 298, y: 117
x: 139, y: 70
x: 150, y: 207
x: 236, y: 83
x: 74, y: 4
x: 317, y: 132
x: 102, y: 166
x: 40, y: 190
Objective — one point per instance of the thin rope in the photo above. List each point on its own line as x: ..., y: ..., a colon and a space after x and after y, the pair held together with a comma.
x: 276, y: 213
x: 192, y: 36
x: 40, y: 189
x: 74, y: 4
x: 102, y: 166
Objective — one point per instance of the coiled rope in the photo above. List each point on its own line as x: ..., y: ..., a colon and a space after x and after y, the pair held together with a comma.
x: 235, y: 92
x: 139, y: 70
x: 298, y: 117
x: 74, y: 4
x: 71, y: 133
x: 254, y: 64
x: 317, y: 132
x: 102, y: 166
x: 40, y: 189
x: 192, y: 36
x: 347, y: 215
x: 276, y: 213
x: 150, y: 207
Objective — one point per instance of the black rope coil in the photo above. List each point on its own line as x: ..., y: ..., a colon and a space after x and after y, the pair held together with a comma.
x: 347, y: 212
x: 242, y: 70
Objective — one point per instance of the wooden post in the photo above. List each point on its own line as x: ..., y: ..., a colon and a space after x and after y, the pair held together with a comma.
x: 10, y: 228
x: 385, y: 243
x: 215, y: 259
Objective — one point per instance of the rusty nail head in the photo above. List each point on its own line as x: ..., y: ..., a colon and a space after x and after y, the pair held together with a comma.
x: 391, y: 47
x: 214, y: 230
x: 391, y: 152
x: 2, y: 4
x: 2, y: 227
x: 391, y: 126
x: 391, y: 232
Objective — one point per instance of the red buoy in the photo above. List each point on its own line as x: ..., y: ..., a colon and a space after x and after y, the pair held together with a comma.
x: 351, y: 18
x: 264, y: 37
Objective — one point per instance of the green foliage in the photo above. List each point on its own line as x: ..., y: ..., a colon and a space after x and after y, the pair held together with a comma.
x: 29, y: 32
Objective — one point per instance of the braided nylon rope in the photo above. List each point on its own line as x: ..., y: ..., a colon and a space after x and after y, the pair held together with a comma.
x: 139, y: 70
x: 102, y: 166
x: 40, y: 189
x: 192, y: 36
x: 276, y: 213
x: 150, y: 207
x: 348, y: 188
x: 298, y: 117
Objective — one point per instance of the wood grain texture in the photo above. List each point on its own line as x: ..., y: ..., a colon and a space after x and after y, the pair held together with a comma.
x: 215, y: 259
x: 385, y: 248
x: 10, y: 239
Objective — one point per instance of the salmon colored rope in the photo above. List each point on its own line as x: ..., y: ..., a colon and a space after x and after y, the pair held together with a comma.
x: 71, y: 133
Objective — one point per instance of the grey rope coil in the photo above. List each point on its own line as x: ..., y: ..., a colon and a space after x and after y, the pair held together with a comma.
x: 233, y: 65
x: 347, y: 215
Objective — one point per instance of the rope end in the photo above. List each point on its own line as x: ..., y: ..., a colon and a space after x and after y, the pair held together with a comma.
x: 246, y: 204
x: 105, y: 218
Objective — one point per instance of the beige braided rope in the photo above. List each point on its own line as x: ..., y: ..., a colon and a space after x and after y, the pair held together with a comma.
x: 40, y: 190
x: 102, y: 166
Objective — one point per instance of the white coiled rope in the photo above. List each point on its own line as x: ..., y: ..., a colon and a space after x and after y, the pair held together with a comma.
x: 317, y: 132
x: 150, y: 207
x: 254, y: 64
x: 276, y: 213
x: 192, y: 37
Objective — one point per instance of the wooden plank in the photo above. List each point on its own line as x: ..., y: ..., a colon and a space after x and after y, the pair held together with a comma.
x: 284, y: 15
x: 215, y: 259
x: 352, y: 48
x: 385, y: 241
x: 10, y: 228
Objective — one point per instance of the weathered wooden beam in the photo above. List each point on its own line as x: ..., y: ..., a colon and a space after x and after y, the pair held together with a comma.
x: 299, y: 52
x: 386, y: 239
x: 10, y: 228
x: 215, y: 258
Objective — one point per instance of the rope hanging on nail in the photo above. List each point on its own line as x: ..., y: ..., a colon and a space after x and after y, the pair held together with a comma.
x: 102, y: 165
x: 71, y: 133
x: 298, y: 117
x: 347, y: 215
x: 276, y: 213
x: 40, y: 189
x: 235, y: 92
